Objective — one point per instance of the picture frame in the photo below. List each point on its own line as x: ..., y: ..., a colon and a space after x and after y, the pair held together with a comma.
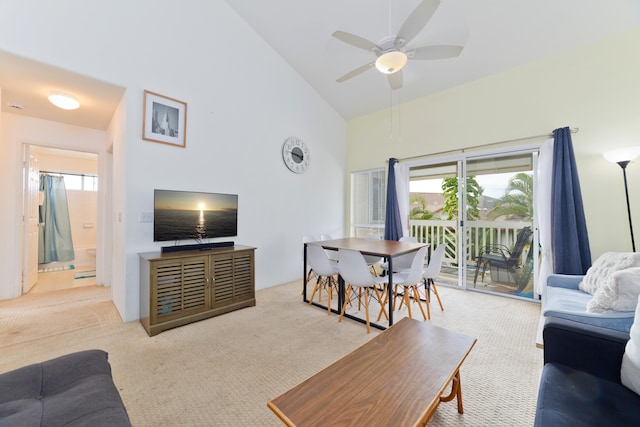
x: 164, y: 120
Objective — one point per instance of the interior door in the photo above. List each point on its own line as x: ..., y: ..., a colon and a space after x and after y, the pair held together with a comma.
x: 31, y: 221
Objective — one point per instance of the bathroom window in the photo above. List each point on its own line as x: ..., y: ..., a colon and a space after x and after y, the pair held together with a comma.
x: 80, y: 182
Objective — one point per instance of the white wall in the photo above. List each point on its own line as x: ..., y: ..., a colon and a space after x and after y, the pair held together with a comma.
x: 243, y: 101
x: 594, y: 88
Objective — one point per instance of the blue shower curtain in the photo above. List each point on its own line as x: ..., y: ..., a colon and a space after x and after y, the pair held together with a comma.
x: 571, y: 253
x: 54, y: 243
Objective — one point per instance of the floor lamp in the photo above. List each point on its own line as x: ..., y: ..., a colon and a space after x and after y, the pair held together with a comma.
x: 623, y: 157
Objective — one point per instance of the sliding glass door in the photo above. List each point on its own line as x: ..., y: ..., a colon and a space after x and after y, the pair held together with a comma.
x: 481, y: 208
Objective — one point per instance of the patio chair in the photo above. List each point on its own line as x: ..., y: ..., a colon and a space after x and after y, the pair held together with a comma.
x: 500, y: 257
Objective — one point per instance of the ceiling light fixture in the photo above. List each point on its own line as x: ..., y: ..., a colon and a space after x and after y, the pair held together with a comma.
x: 63, y: 100
x: 390, y: 62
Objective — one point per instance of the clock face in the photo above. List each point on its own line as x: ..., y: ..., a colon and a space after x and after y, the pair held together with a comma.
x: 295, y: 154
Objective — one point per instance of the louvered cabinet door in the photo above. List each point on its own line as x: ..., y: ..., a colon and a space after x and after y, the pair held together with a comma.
x: 184, y: 287
x: 232, y: 278
x: 179, y: 288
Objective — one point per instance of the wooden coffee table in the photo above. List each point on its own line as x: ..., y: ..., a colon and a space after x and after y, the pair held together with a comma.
x: 396, y: 379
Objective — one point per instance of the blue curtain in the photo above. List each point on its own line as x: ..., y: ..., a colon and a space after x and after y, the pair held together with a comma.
x: 571, y: 253
x: 55, y: 242
x: 392, y: 220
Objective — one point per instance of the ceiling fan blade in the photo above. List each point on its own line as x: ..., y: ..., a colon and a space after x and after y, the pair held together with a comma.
x: 395, y: 80
x: 435, y: 52
x: 416, y: 21
x: 356, y: 72
x: 356, y: 41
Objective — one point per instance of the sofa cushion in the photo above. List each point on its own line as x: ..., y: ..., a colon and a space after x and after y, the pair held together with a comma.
x: 568, y: 397
x: 619, y: 293
x: 603, y: 268
x: 630, y: 369
x: 572, y: 304
x: 72, y: 390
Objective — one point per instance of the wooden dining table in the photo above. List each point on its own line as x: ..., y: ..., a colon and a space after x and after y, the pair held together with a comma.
x: 388, y: 249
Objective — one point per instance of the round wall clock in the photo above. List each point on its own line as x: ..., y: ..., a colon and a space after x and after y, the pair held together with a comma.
x: 295, y: 154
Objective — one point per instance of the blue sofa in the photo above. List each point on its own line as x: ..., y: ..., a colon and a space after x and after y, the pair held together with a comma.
x: 580, y: 383
x: 564, y: 299
x: 71, y: 390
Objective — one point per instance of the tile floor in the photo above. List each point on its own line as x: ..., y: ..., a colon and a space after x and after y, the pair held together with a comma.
x: 64, y: 279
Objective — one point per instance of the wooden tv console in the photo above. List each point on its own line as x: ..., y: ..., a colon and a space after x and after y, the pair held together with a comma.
x: 178, y: 288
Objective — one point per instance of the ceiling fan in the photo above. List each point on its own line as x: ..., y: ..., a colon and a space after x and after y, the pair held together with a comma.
x: 392, y: 52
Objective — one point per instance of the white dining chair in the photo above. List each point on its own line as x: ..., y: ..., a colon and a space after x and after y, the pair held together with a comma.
x: 430, y: 273
x: 409, y: 280
x: 354, y: 270
x: 401, y: 262
x: 373, y: 260
x: 326, y: 272
x: 333, y: 256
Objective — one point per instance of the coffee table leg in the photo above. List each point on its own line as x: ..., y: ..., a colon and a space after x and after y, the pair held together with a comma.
x: 456, y: 391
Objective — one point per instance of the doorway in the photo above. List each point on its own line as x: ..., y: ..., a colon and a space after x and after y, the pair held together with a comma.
x: 482, y: 209
x: 77, y: 173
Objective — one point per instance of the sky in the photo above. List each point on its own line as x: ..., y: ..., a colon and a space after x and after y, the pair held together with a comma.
x: 494, y: 185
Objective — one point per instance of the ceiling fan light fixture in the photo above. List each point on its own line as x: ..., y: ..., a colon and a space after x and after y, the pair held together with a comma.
x: 390, y: 62
x: 63, y: 100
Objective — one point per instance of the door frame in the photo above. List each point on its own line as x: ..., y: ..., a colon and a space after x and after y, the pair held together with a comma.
x: 102, y: 205
x: 461, y: 160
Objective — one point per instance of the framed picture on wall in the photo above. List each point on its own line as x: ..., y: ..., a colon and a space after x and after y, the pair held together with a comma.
x: 164, y: 120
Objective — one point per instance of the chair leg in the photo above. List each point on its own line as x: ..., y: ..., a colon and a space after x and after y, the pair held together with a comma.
x: 407, y: 302
x: 382, y: 303
x: 315, y: 289
x: 308, y: 278
x: 395, y: 294
x: 416, y: 296
x: 475, y: 277
x: 435, y: 291
x: 427, y: 297
x: 344, y: 305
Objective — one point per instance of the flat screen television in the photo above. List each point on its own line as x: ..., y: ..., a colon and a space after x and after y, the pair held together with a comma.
x: 185, y: 215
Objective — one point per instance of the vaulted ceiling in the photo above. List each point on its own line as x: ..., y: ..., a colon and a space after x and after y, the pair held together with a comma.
x: 497, y: 35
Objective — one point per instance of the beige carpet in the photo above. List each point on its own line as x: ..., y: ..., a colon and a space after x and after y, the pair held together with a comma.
x: 222, y: 371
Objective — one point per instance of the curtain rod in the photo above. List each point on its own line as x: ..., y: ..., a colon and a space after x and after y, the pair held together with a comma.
x: 462, y: 150
x: 67, y: 173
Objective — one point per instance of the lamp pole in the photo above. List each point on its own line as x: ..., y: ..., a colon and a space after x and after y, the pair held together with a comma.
x: 623, y: 157
x: 623, y: 164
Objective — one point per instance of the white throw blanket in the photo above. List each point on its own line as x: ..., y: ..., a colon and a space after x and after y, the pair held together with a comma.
x: 611, y: 288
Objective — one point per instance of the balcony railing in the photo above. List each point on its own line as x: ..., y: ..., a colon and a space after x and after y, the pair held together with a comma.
x: 480, y: 234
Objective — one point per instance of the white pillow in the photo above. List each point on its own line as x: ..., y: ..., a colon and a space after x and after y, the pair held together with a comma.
x: 602, y: 269
x: 620, y: 293
x: 630, y: 369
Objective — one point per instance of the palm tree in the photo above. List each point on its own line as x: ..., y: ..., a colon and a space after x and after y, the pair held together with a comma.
x: 517, y: 200
x: 420, y: 211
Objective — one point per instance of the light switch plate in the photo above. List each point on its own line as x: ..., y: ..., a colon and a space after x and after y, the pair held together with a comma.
x: 146, y: 217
